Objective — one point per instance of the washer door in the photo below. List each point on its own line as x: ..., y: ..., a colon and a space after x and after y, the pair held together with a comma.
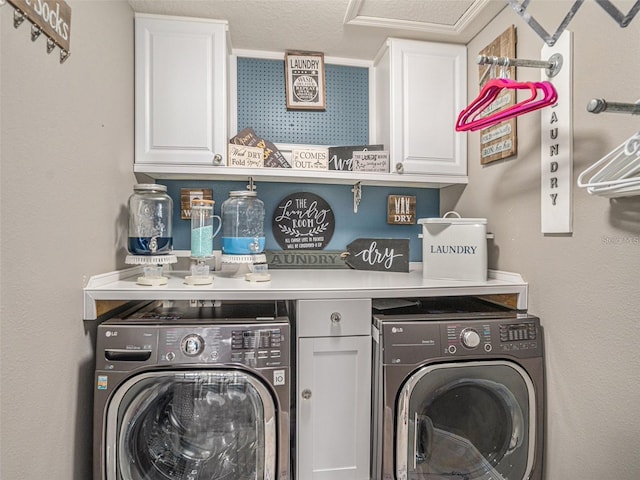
x: 213, y: 424
x: 466, y: 421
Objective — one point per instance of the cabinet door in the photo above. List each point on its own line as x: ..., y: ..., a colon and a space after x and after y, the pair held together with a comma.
x: 334, y: 398
x: 180, y: 87
x: 426, y: 90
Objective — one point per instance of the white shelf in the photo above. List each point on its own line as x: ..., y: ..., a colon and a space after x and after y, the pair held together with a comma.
x: 199, y: 172
x: 296, y: 285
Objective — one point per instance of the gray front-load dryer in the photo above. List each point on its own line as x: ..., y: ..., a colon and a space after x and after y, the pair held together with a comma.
x: 458, y: 393
x: 186, y: 393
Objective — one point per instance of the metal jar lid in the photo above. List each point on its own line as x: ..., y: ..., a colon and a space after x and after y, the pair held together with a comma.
x: 149, y: 187
x: 242, y: 193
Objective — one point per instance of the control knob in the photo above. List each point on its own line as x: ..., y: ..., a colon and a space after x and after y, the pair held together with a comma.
x: 192, y: 345
x: 470, y: 338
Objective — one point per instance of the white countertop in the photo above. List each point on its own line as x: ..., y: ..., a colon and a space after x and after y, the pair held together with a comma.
x: 296, y: 285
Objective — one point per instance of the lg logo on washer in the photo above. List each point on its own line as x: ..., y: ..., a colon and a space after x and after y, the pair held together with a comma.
x: 110, y: 333
x: 397, y: 330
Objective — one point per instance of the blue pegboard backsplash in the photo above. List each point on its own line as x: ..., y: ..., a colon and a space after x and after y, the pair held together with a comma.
x: 369, y: 222
x: 262, y: 105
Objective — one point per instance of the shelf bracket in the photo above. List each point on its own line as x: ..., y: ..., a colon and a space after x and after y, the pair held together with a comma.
x: 357, y: 196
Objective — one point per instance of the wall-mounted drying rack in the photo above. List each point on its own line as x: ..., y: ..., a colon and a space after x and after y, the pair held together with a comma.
x: 54, y: 37
x: 621, y: 18
x: 599, y: 105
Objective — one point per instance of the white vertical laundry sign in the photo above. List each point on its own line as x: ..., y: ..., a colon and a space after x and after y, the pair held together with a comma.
x: 557, y: 144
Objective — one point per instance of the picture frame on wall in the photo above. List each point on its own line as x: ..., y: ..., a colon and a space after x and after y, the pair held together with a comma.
x: 305, y: 80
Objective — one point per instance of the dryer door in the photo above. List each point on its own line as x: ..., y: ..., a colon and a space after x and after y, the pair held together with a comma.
x: 191, y: 425
x: 467, y: 420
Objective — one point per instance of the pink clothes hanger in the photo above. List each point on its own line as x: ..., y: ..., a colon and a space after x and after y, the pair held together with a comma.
x: 468, y: 118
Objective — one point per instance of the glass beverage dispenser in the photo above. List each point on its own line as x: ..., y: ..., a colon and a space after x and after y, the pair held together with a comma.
x: 150, y: 212
x: 242, y: 224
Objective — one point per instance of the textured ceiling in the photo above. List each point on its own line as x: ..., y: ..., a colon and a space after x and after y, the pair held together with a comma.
x: 339, y: 28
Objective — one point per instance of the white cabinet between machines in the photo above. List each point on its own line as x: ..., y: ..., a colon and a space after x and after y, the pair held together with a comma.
x: 333, y: 389
x: 420, y: 89
x: 181, y: 76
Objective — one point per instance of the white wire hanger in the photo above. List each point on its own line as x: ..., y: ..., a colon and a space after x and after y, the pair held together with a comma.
x: 617, y: 174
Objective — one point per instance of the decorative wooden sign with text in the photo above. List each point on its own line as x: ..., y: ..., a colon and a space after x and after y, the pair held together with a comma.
x: 401, y: 209
x: 188, y: 195
x: 371, y: 162
x: 244, y: 156
x: 500, y: 141
x: 557, y: 144
x: 53, y: 17
x: 310, y: 158
x: 305, y: 80
x: 380, y: 254
x: 341, y: 158
x: 303, y: 221
x: 305, y: 259
x: 273, y: 157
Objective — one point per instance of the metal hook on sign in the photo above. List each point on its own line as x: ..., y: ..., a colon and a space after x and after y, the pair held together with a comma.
x: 18, y: 18
x: 357, y: 196
x: 64, y: 54
x: 50, y: 45
x: 35, y: 32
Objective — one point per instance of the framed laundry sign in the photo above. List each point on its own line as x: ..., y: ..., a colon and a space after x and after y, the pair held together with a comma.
x: 305, y: 80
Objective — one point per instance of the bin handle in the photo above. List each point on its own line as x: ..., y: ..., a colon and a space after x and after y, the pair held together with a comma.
x: 451, y: 212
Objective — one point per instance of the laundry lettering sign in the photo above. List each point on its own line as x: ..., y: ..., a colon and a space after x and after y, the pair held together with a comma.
x: 53, y: 17
x: 380, y: 254
x: 557, y: 146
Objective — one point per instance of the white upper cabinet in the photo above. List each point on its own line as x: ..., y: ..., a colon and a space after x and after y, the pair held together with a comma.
x: 181, y: 70
x: 420, y: 89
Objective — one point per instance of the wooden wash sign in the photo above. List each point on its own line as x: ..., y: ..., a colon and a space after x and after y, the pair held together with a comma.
x: 53, y: 17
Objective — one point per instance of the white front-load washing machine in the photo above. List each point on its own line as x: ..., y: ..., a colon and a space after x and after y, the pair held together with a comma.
x: 458, y: 392
x: 186, y: 393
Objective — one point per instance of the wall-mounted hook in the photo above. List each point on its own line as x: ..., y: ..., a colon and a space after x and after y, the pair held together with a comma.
x: 64, y: 54
x: 357, y: 196
x: 50, y: 45
x: 599, y: 105
x: 18, y: 18
x: 35, y: 32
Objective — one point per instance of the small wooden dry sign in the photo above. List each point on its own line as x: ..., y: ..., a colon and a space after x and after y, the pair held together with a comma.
x: 401, y: 209
x: 380, y: 254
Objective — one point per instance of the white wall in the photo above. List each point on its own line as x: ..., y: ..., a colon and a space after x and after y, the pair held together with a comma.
x: 66, y: 154
x: 584, y: 286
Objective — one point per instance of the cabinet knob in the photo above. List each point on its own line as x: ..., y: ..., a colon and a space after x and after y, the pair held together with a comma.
x: 306, y: 394
x: 335, y: 318
x: 399, y: 167
x: 217, y: 159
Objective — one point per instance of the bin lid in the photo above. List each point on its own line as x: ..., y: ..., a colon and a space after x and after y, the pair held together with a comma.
x: 457, y: 220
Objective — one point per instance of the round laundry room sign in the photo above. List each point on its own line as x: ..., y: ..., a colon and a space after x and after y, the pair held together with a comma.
x: 303, y: 221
